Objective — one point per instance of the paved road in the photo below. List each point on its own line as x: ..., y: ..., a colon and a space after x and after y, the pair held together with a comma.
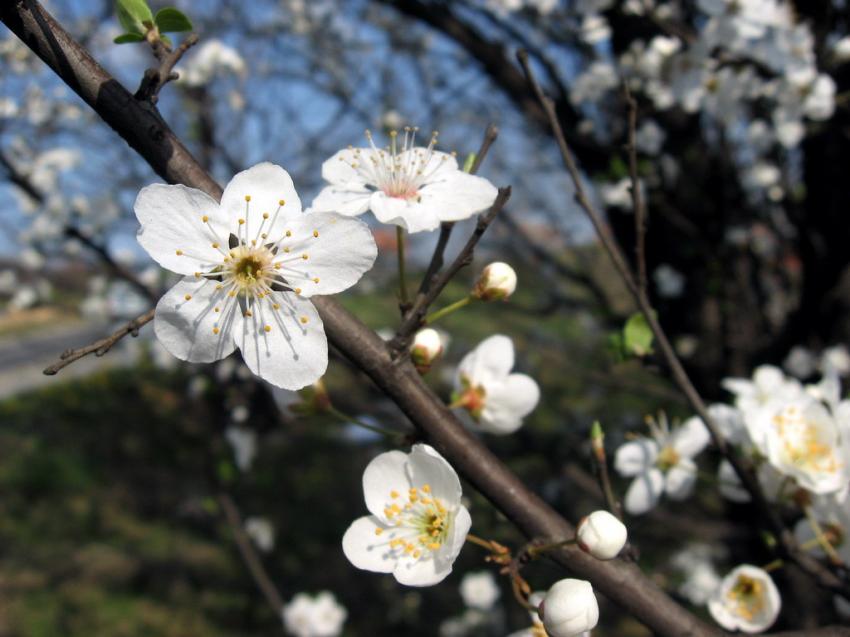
x: 22, y: 358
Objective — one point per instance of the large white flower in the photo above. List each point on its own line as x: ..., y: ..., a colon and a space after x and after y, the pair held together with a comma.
x: 250, y: 265
x: 809, y: 443
x: 663, y: 463
x: 417, y: 524
x: 746, y: 600
x: 496, y: 400
x: 320, y: 616
x: 410, y: 186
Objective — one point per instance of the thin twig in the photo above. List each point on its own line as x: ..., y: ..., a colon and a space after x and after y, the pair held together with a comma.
x: 157, y: 77
x: 100, y: 347
x: 742, y: 465
x: 490, y: 135
x: 249, y: 554
x: 420, y: 306
x: 637, y: 195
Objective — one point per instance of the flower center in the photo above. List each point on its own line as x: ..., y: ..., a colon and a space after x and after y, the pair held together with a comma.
x: 805, y: 443
x: 667, y: 458
x: 423, y: 522
x: 250, y: 267
x: 747, y: 596
x: 471, y: 398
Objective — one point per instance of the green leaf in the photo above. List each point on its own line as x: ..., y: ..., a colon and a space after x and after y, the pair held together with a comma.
x: 637, y: 336
x: 171, y: 20
x: 133, y: 14
x: 126, y: 38
x: 616, y: 347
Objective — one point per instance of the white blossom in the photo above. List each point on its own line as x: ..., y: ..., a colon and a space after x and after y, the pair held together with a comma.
x: 496, y: 282
x: 244, y: 444
x: 427, y: 346
x: 250, y: 265
x: 661, y: 464
x: 417, y: 525
x: 410, y: 186
x: 211, y: 58
x: 746, y: 600
x: 261, y: 532
x: 496, y: 399
x: 319, y: 616
x: 479, y: 590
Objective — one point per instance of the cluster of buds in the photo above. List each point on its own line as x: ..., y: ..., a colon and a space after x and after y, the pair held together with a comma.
x: 496, y: 282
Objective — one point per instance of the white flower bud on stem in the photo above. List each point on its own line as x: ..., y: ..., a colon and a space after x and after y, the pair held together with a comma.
x: 427, y: 347
x: 602, y: 535
x: 496, y: 283
x: 569, y: 608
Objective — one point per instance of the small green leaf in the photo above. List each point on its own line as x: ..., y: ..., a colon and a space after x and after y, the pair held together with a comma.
x: 132, y: 14
x: 637, y: 336
x: 616, y: 347
x: 171, y: 20
x: 126, y: 38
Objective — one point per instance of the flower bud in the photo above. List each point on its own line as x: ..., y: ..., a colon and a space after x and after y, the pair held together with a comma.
x: 602, y: 535
x: 496, y: 283
x: 569, y: 608
x: 425, y: 349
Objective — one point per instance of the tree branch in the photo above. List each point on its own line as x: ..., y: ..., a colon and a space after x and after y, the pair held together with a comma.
x: 157, y: 77
x: 100, y: 347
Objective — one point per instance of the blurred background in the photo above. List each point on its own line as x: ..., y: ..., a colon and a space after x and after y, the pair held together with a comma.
x: 115, y: 474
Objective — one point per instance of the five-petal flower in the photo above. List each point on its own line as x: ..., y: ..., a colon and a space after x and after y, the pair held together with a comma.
x: 250, y: 264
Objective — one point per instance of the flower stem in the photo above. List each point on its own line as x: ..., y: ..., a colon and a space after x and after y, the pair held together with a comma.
x: 534, y: 551
x: 820, y: 536
x: 479, y: 541
x: 402, y: 283
x: 433, y: 316
x: 343, y: 417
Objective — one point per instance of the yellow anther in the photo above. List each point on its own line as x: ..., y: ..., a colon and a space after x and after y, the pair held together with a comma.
x: 264, y: 235
x: 305, y: 256
x: 253, y: 242
x: 188, y: 297
x: 393, y: 493
x: 434, y: 546
x: 281, y: 202
x: 275, y: 306
x: 265, y: 215
x: 416, y: 554
x: 215, y: 244
x: 316, y: 280
x: 289, y: 233
x: 205, y: 218
x: 286, y: 250
x: 426, y: 488
x: 378, y: 530
x: 316, y: 233
x: 197, y: 275
x: 247, y: 197
x: 303, y: 319
x: 218, y: 286
x: 277, y: 266
x: 298, y: 290
x: 216, y: 309
x: 179, y: 253
x: 268, y: 328
x: 232, y: 293
x: 241, y: 221
x: 215, y: 330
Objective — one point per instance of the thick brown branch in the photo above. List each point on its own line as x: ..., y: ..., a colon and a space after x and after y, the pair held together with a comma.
x: 100, y: 347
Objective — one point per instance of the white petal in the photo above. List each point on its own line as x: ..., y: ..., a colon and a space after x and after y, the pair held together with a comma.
x: 421, y: 572
x: 386, y: 472
x: 267, y: 184
x: 171, y: 220
x: 635, y: 457
x: 339, y: 251
x: 440, y: 165
x: 459, y: 197
x: 185, y: 327
x: 294, y: 352
x: 507, y: 403
x: 491, y: 360
x: 339, y: 170
x: 346, y: 202
x: 691, y: 438
x: 644, y: 492
x: 681, y: 478
x: 406, y: 213
x: 365, y: 549
x: 426, y: 466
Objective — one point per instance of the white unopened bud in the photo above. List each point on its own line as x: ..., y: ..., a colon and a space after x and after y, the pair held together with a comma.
x: 569, y: 608
x: 426, y: 348
x: 497, y: 282
x: 602, y: 535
